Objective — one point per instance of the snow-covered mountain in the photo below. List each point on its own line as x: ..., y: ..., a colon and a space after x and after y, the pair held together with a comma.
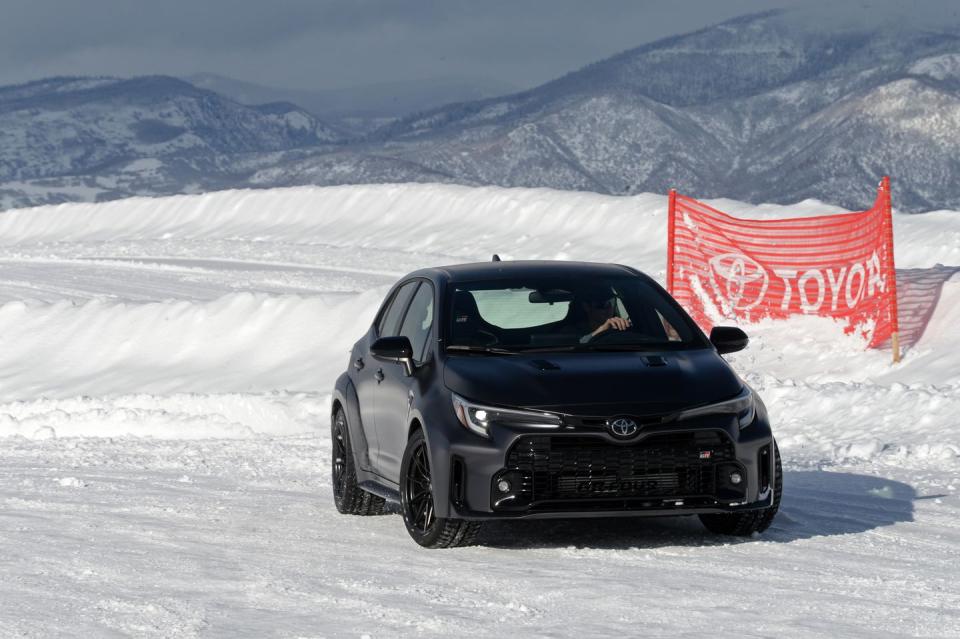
x: 760, y: 108
x: 757, y: 108
x: 86, y: 138
x: 360, y: 109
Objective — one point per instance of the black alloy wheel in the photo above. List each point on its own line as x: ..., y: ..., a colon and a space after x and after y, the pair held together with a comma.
x: 348, y: 497
x: 418, y: 506
x: 420, y: 491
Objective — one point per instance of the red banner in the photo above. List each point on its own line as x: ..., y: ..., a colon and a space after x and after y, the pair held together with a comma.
x: 722, y: 269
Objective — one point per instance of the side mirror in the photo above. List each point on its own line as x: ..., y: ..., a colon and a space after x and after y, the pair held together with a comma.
x: 395, y: 349
x: 728, y: 339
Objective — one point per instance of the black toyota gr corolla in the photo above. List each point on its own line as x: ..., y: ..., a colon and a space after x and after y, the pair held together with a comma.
x: 547, y: 389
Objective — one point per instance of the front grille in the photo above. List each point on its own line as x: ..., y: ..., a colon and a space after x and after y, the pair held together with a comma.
x: 553, y: 470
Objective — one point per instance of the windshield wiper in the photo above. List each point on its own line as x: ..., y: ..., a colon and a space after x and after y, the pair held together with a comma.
x: 548, y: 349
x: 490, y: 350
x: 605, y: 346
x: 649, y: 346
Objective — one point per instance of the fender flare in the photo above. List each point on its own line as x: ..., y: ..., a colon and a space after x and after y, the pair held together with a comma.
x: 441, y: 464
x: 345, y: 394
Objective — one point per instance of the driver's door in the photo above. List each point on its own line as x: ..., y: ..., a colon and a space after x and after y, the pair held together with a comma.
x: 395, y: 393
x: 368, y: 371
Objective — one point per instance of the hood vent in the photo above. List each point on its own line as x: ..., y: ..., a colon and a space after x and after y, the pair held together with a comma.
x: 654, y: 360
x: 544, y: 365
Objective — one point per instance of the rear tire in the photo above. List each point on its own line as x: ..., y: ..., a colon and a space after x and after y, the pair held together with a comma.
x: 349, y: 498
x: 418, y: 506
x: 748, y: 522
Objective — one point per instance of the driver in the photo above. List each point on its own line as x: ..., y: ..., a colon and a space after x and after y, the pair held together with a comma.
x: 598, y: 311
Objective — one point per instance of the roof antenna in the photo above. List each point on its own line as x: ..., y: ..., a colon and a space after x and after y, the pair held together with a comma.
x: 496, y: 258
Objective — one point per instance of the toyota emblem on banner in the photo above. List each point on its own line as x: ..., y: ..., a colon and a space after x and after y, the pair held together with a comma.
x: 741, y: 280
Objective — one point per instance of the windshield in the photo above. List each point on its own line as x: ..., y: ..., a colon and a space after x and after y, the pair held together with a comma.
x: 616, y: 313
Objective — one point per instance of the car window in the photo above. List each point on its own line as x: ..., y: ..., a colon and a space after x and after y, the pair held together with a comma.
x: 570, y: 312
x: 672, y: 334
x: 390, y: 317
x: 511, y: 308
x: 418, y: 320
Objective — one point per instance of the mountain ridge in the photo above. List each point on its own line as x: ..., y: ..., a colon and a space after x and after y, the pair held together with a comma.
x: 754, y: 108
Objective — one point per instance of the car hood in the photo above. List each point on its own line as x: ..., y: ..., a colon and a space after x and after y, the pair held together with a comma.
x: 594, y: 383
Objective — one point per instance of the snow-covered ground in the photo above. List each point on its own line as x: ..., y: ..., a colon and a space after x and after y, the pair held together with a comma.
x: 165, y: 367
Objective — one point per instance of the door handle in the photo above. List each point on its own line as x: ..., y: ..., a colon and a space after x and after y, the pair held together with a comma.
x: 358, y: 363
x: 378, y: 375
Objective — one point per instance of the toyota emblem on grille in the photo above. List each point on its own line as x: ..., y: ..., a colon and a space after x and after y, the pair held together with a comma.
x: 622, y: 427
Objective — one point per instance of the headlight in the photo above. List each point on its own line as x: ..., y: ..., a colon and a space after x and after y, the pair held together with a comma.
x: 743, y: 406
x: 478, y: 418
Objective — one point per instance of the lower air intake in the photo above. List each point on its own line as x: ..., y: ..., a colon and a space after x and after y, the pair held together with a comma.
x: 578, y: 471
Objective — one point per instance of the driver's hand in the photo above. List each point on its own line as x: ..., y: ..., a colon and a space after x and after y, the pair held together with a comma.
x: 616, y: 323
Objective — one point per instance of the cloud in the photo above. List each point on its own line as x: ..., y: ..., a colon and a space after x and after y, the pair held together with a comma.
x: 322, y: 43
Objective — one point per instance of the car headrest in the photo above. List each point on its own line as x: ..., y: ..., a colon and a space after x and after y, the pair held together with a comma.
x: 465, y: 308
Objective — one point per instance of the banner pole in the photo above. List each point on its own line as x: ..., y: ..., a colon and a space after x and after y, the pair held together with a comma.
x: 891, y: 270
x: 671, y: 212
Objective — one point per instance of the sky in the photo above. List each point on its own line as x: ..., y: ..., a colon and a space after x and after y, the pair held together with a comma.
x: 324, y: 44
x: 319, y: 44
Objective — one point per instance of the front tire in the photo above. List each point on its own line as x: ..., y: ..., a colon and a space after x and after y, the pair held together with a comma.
x: 746, y: 523
x: 348, y: 497
x: 418, y: 506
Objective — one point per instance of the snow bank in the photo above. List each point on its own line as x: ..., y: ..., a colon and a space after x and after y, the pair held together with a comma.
x: 446, y: 219
x: 839, y: 421
x: 238, y: 343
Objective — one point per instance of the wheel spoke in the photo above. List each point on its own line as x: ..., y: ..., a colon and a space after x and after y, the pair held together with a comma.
x: 422, y: 464
x: 423, y: 515
x: 339, y: 457
x: 428, y: 519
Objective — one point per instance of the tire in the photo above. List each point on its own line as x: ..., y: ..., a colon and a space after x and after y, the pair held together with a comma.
x: 349, y: 498
x: 417, y: 504
x: 746, y: 523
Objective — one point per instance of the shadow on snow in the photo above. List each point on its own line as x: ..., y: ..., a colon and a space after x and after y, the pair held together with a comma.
x: 918, y: 293
x: 815, y: 504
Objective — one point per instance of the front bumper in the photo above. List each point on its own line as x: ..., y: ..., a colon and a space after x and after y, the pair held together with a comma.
x: 681, y: 468
x: 653, y: 510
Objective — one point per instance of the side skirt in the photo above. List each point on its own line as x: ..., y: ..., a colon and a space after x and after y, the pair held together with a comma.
x: 390, y: 494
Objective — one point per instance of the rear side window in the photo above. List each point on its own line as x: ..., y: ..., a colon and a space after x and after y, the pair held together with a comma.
x: 419, y: 320
x: 388, y: 326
